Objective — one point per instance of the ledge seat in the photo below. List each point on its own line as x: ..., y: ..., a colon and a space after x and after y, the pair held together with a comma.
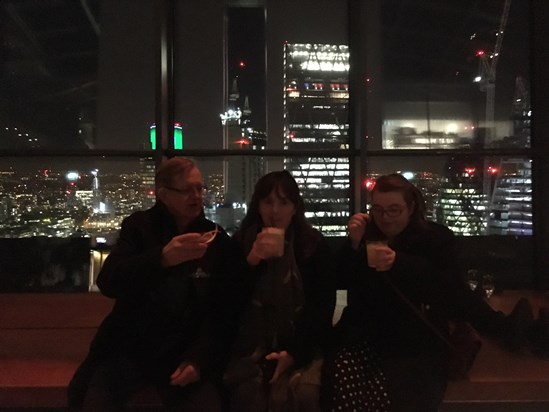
x: 44, y: 337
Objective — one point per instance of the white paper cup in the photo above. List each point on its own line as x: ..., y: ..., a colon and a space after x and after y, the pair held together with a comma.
x: 372, y: 248
x: 277, y: 236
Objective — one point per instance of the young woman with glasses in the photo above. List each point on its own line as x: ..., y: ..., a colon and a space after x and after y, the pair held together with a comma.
x: 384, y: 356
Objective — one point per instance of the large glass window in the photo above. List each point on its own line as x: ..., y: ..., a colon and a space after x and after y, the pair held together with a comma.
x: 454, y: 77
x: 337, y: 92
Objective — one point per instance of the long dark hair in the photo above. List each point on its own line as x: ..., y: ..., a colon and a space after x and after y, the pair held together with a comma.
x: 283, y: 183
x: 395, y: 182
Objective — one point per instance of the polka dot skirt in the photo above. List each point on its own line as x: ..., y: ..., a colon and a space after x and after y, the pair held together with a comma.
x: 358, y: 383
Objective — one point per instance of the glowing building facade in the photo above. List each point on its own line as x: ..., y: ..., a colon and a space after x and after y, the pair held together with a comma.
x: 316, y: 117
x: 462, y: 201
x: 511, y: 205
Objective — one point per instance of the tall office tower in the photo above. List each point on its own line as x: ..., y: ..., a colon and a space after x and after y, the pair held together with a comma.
x: 316, y: 79
x: 429, y: 184
x: 147, y: 171
x: 96, y: 197
x: 511, y: 204
x: 241, y: 172
x: 522, y: 113
x: 462, y: 203
x: 216, y: 190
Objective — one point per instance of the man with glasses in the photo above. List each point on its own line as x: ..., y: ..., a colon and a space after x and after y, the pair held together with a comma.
x: 174, y: 275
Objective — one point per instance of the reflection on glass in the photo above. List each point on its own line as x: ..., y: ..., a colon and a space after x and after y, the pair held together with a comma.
x: 455, y: 76
x: 472, y: 279
x: 488, y: 285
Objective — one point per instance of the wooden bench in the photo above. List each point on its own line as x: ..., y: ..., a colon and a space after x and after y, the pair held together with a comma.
x: 501, y: 380
x: 44, y: 337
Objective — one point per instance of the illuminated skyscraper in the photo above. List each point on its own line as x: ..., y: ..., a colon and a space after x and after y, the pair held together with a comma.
x: 511, y: 205
x: 147, y: 187
x: 241, y: 172
x: 316, y: 79
x: 462, y: 203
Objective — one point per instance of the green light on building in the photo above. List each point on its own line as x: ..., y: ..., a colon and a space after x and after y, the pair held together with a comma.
x: 152, y: 136
x: 177, y: 136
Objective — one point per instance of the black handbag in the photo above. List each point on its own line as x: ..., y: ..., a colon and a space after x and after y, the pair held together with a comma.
x: 463, y: 341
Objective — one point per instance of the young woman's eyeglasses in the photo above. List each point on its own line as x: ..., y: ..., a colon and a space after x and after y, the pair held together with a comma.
x: 189, y: 190
x: 391, y: 211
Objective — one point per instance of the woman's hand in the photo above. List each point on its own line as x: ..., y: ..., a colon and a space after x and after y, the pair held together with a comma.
x: 264, y: 247
x: 385, y: 257
x: 357, y: 226
x: 284, y: 361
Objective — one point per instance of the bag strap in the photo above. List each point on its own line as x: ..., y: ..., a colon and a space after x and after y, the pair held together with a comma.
x: 418, y: 313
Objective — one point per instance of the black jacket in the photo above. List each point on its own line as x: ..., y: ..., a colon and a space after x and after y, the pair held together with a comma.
x: 426, y: 271
x: 313, y: 325
x: 162, y: 315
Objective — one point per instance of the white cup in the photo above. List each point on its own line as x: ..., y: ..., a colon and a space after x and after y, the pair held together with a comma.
x: 276, y: 234
x: 374, y: 250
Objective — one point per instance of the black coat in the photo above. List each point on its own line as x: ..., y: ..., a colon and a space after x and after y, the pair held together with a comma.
x: 427, y: 272
x: 314, y: 322
x: 161, y: 315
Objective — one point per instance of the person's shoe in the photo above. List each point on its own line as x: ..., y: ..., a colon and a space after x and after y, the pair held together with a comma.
x: 539, y: 334
x: 518, y: 325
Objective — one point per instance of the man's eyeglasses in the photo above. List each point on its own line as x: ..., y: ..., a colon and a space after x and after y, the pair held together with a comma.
x: 189, y: 190
x: 391, y: 211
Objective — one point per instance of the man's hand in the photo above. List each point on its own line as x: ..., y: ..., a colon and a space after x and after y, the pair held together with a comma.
x: 284, y: 362
x: 185, y: 374
x: 183, y: 248
x: 357, y: 226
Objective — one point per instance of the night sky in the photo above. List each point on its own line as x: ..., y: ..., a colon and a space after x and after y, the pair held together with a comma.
x: 51, y: 85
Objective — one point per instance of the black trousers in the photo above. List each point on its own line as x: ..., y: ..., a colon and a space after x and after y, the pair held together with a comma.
x: 109, y: 384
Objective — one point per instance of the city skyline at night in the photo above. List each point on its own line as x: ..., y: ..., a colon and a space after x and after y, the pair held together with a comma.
x: 106, y: 98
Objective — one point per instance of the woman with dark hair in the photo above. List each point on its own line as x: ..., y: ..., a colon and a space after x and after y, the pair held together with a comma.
x: 393, y: 288
x: 276, y: 363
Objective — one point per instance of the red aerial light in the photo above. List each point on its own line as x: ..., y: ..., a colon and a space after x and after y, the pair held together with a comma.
x: 470, y: 170
x: 242, y: 141
x: 479, y: 53
x: 369, y: 184
x: 493, y: 170
x: 242, y: 63
x: 291, y: 135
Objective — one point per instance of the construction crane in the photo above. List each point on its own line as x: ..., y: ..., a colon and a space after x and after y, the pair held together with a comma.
x: 487, y: 76
x: 487, y: 80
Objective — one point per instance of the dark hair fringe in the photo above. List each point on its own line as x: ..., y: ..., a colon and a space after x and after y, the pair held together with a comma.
x: 413, y: 197
x: 282, y: 182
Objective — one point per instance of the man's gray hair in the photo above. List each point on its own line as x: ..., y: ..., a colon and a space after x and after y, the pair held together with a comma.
x: 171, y: 168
